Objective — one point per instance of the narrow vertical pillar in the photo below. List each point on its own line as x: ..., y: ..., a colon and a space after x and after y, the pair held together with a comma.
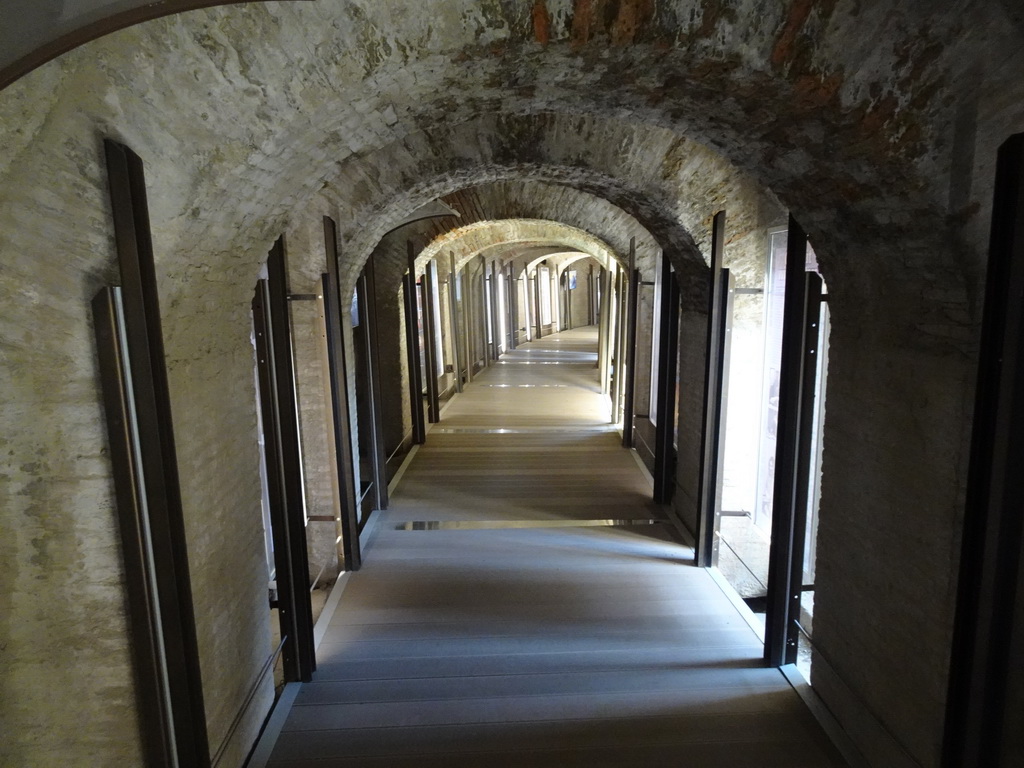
x: 430, y: 342
x: 173, y: 613
x: 511, y: 290
x: 485, y: 347
x: 342, y: 432
x: 603, y: 332
x: 495, y: 314
x: 412, y: 348
x: 988, y: 638
x: 618, y: 346
x: 590, y: 295
x: 629, y: 385
x: 710, y: 427
x: 467, y: 321
x: 369, y: 310
x: 453, y: 313
x: 536, y: 304
x: 801, y: 312
x: 668, y: 357
x: 568, y: 301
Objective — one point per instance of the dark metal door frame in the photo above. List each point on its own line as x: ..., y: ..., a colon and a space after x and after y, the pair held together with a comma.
x: 710, y: 520
x: 430, y: 341
x: 617, y: 342
x: 484, y: 317
x: 338, y: 367
x: 988, y: 634
x: 512, y: 310
x: 453, y: 319
x: 145, y: 470
x: 566, y: 300
x: 668, y: 360
x: 711, y: 427
x: 495, y: 314
x: 793, y: 459
x: 536, y: 303
x: 591, y: 298
x: 629, y: 388
x: 283, y: 460
x: 412, y: 349
x: 367, y: 288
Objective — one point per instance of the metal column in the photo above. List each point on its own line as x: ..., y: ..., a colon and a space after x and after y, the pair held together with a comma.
x: 337, y: 365
x: 668, y: 359
x: 145, y: 469
x: 801, y: 319
x: 368, y: 309
x: 513, y: 309
x: 430, y: 342
x: 453, y: 313
x: 604, y: 332
x: 629, y: 385
x: 988, y: 638
x: 536, y: 304
x: 412, y: 349
x: 710, y: 428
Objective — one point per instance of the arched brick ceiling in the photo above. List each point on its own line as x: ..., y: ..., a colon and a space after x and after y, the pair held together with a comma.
x: 501, y: 239
x: 507, y: 238
x: 566, y: 207
x: 246, y: 114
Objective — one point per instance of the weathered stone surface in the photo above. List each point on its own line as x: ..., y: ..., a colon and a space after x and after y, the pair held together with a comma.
x: 875, y: 123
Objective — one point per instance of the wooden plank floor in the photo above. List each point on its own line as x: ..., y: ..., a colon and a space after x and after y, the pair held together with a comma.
x: 533, y: 640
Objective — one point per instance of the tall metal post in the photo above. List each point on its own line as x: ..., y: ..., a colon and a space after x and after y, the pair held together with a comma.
x: 369, y: 316
x: 616, y: 341
x: 453, y: 313
x: 430, y: 343
x: 495, y: 314
x: 337, y: 365
x: 512, y: 305
x: 629, y: 386
x: 536, y: 304
x: 801, y: 314
x: 709, y: 469
x: 412, y: 346
x: 167, y: 614
x: 668, y: 358
x: 988, y: 639
x: 604, y: 330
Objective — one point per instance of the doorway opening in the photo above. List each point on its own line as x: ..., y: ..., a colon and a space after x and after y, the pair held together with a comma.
x: 752, y: 375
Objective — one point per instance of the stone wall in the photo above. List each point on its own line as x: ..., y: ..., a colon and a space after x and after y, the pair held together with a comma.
x: 875, y: 123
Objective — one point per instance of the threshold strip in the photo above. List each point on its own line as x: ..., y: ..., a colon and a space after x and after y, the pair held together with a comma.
x: 531, y: 386
x: 521, y: 430
x: 544, y: 362
x: 465, y: 525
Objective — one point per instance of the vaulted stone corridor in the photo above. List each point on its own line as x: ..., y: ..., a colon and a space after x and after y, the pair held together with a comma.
x: 537, y: 615
x: 451, y: 180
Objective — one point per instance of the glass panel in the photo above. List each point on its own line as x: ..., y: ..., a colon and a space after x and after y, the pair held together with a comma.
x: 544, y: 276
x: 502, y: 312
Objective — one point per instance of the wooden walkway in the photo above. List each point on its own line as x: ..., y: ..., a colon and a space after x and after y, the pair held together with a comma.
x: 496, y: 623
